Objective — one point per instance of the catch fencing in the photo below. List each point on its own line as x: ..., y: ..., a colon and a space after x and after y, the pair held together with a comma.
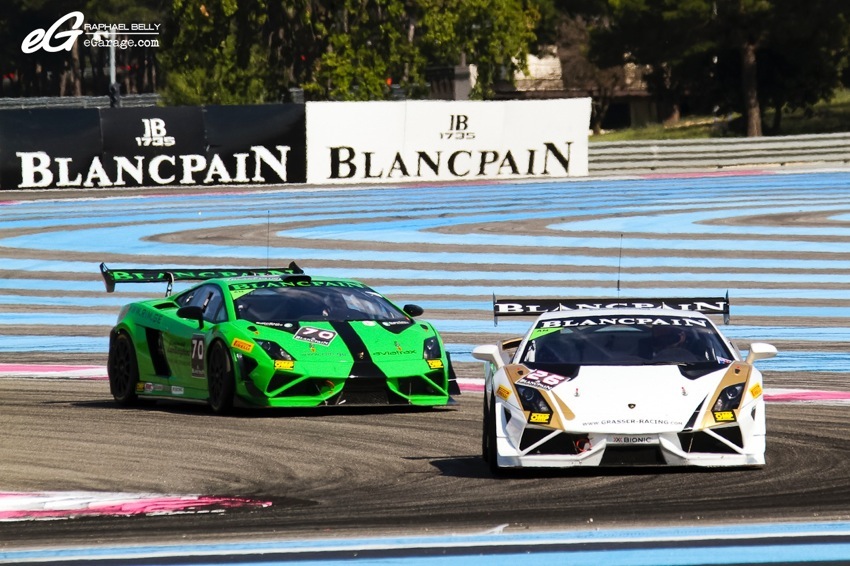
x: 612, y: 158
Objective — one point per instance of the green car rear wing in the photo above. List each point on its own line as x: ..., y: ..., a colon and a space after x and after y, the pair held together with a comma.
x: 133, y: 275
x: 535, y: 307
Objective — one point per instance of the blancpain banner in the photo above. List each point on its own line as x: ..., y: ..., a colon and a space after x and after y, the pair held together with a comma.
x: 368, y: 142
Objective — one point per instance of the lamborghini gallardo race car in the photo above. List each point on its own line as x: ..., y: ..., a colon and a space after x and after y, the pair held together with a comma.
x: 621, y: 383
x: 272, y: 338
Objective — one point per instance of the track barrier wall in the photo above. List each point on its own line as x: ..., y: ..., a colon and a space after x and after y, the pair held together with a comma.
x: 320, y: 143
x: 152, y: 146
x: 436, y: 140
x: 355, y: 143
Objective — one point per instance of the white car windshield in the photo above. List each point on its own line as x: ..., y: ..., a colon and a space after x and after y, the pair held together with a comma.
x: 625, y: 340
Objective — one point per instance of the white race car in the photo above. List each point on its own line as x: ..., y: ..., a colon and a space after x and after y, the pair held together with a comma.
x: 632, y: 382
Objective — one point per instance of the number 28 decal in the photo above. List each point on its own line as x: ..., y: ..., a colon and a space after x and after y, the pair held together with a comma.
x: 542, y: 380
x: 315, y: 335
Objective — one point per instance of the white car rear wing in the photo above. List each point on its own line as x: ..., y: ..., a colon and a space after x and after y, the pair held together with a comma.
x: 535, y: 307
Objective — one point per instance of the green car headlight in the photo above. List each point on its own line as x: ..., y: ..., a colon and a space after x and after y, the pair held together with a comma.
x: 274, y: 350
x: 431, y: 349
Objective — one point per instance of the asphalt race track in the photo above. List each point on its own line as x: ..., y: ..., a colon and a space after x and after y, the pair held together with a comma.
x: 778, y: 243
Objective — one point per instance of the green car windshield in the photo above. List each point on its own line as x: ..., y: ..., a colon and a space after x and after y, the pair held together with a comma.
x: 288, y: 304
x: 625, y: 340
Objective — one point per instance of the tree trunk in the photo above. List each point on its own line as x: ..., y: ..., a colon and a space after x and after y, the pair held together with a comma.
x: 749, y: 82
x: 76, y: 70
x: 777, y: 121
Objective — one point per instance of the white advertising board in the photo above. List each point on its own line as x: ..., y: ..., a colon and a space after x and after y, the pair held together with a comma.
x: 435, y: 140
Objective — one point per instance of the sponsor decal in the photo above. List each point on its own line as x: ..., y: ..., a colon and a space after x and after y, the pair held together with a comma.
x: 140, y: 387
x: 624, y: 320
x: 148, y: 387
x: 155, y: 134
x: 503, y: 392
x: 542, y: 380
x: 616, y: 439
x: 152, y: 275
x: 315, y: 335
x: 547, y: 159
x: 540, y: 418
x: 394, y: 353
x: 150, y: 315
x: 538, y: 332
x: 176, y: 390
x: 286, y: 365
x: 435, y: 364
x: 438, y: 140
x: 242, y: 345
x: 756, y: 390
x: 40, y: 170
x: 724, y: 416
x: 538, y: 306
x: 608, y: 422
x: 299, y: 283
x: 198, y: 356
x: 458, y: 128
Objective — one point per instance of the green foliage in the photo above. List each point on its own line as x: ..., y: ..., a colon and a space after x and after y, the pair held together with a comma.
x: 210, y: 56
x: 338, y: 49
x: 695, y: 50
x: 831, y: 115
x: 370, y: 46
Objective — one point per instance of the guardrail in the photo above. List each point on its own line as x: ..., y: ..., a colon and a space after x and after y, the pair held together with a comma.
x: 716, y: 154
x: 127, y: 101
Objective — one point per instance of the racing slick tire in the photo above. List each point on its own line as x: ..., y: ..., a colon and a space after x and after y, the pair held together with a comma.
x: 220, y: 378
x: 123, y: 370
x: 489, y: 438
x: 485, y: 439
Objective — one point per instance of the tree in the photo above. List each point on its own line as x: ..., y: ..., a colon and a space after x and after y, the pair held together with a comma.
x: 370, y: 47
x: 494, y: 35
x: 803, y: 58
x: 212, y: 53
x: 244, y: 51
x: 569, y: 25
x: 731, y: 50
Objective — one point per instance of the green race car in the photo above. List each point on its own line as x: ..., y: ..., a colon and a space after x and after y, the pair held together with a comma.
x: 273, y: 338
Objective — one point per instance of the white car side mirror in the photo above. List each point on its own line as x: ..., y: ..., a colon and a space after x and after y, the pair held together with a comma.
x: 489, y: 353
x: 760, y: 351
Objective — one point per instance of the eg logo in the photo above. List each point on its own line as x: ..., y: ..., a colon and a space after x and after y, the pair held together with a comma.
x: 40, y: 39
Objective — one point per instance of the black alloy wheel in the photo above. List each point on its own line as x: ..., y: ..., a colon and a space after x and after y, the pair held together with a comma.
x: 220, y: 378
x: 123, y: 370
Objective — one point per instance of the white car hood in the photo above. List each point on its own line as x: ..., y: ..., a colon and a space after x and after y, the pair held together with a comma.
x: 634, y: 399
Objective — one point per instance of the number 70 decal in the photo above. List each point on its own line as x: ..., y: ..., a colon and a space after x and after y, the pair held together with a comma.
x: 315, y: 335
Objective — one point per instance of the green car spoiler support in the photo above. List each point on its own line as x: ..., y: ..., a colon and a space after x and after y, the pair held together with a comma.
x: 133, y: 275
